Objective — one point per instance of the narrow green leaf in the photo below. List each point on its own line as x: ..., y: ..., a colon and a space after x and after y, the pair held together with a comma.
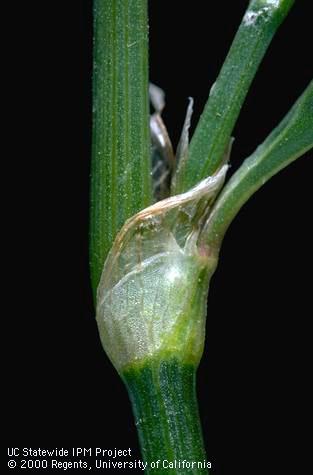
x: 213, y: 133
x: 291, y: 139
x: 121, y: 164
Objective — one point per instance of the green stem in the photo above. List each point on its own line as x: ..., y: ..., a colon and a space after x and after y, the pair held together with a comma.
x: 213, y: 132
x: 120, y: 170
x: 291, y: 139
x: 166, y: 414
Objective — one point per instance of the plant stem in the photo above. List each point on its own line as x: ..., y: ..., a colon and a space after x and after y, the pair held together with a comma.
x: 213, y: 132
x: 166, y: 414
x: 120, y: 170
x: 291, y: 139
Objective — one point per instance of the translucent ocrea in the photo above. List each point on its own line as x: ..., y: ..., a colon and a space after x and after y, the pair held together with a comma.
x: 151, y: 299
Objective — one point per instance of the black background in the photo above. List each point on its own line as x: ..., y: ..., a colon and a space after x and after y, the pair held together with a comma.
x: 253, y: 380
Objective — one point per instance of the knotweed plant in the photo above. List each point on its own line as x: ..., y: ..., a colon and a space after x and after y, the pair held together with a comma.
x: 158, y: 218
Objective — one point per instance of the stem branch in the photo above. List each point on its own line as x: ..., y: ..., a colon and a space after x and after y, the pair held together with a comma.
x: 121, y: 164
x: 213, y: 132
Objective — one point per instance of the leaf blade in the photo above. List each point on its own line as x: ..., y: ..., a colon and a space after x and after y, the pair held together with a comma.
x: 288, y: 141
